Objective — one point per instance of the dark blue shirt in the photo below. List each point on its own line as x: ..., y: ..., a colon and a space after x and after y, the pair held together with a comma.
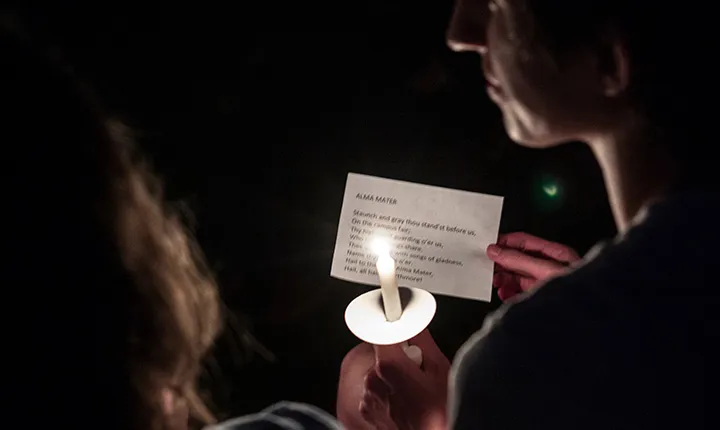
x: 627, y: 340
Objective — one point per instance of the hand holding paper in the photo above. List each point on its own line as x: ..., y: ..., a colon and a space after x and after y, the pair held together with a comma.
x: 524, y: 261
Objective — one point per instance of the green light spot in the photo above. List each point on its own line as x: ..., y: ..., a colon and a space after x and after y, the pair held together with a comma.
x: 550, y: 190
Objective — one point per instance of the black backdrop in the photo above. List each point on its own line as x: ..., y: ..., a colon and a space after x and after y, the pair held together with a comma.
x: 254, y: 115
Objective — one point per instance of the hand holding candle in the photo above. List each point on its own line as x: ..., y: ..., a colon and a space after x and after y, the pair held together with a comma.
x: 391, y: 294
x: 378, y: 317
x: 419, y: 394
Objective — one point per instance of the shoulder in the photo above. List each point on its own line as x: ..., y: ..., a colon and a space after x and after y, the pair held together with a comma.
x: 561, y: 313
x: 611, y: 311
x: 529, y: 352
x: 284, y: 415
x: 515, y: 329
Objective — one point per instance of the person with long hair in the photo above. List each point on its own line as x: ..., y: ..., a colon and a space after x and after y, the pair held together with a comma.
x: 121, y: 306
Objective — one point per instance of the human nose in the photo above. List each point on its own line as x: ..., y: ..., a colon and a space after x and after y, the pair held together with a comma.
x: 468, y: 26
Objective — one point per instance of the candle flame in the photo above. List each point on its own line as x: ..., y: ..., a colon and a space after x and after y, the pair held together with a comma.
x: 380, y: 247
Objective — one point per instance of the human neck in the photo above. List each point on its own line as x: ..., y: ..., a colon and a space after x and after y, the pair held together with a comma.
x: 636, y: 173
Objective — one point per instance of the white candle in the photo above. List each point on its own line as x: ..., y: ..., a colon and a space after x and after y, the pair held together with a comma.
x: 389, y: 287
x: 391, y: 300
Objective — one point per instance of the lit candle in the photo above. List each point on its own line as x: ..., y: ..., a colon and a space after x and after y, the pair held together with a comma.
x: 391, y: 294
x: 389, y: 287
x: 388, y: 281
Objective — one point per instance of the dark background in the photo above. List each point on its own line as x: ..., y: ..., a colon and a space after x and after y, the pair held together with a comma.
x: 255, y: 113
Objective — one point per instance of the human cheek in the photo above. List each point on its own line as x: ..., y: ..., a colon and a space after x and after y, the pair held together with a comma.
x: 500, y: 59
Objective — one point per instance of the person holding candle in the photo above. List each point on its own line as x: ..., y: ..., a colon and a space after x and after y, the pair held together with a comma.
x: 624, y: 338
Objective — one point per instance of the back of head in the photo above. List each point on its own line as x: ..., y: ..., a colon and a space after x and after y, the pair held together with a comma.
x: 117, y: 299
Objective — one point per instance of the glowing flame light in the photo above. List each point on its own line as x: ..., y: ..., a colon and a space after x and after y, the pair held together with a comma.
x: 380, y: 246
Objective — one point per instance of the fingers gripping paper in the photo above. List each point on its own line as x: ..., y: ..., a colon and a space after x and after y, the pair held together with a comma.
x: 437, y: 236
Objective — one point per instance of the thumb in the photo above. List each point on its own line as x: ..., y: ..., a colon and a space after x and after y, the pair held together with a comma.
x: 434, y: 361
x: 427, y: 344
x: 395, y: 367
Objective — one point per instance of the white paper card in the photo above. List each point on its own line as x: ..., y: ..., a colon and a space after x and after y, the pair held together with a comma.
x: 437, y: 236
